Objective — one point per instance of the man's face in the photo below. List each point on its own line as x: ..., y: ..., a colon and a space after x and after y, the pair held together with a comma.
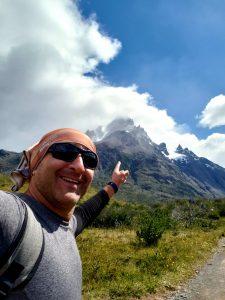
x: 62, y: 183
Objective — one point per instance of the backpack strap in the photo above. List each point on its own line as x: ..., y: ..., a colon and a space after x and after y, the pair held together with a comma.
x: 21, y: 261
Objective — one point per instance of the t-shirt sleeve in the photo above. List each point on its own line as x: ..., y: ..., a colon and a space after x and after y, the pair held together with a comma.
x: 12, y: 215
x: 87, y: 212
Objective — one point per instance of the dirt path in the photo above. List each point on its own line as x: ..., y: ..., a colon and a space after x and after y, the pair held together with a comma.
x: 209, y: 284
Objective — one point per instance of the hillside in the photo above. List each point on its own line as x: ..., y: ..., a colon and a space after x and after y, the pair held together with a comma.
x: 8, y: 160
x: 153, y: 174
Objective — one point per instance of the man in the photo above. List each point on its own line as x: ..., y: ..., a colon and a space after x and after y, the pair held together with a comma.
x: 59, y: 170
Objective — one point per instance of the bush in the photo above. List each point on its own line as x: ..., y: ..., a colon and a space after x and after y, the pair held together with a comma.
x: 220, y: 205
x: 118, y: 214
x: 205, y: 224
x: 152, y: 225
x: 200, y: 213
x: 213, y: 214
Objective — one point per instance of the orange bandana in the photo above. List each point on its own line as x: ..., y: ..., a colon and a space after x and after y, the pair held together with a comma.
x: 33, y: 156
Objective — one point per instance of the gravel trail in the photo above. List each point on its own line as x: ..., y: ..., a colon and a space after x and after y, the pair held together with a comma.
x: 209, y: 283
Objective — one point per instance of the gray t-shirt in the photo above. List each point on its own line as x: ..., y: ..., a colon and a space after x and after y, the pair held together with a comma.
x: 59, y: 274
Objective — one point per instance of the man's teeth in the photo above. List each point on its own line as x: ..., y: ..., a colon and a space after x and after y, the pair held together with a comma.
x: 69, y: 180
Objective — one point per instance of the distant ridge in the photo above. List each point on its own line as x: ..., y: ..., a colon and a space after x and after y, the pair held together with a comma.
x: 8, y: 161
x: 153, y: 174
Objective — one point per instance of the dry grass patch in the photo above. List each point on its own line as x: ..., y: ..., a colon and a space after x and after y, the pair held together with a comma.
x: 117, y: 266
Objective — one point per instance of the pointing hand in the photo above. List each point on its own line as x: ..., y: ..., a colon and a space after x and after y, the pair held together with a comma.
x: 119, y: 176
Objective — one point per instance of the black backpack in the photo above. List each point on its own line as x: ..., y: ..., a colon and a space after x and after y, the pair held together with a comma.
x: 19, y: 263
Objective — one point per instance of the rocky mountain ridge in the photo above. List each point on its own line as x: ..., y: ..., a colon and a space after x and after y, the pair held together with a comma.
x: 153, y: 175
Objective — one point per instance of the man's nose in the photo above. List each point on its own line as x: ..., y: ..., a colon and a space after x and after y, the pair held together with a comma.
x: 77, y: 164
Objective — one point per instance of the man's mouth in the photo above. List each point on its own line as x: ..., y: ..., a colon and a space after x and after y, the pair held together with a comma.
x: 70, y: 180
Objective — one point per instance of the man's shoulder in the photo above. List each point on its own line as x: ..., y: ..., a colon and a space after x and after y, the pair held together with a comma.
x: 12, y: 214
x: 8, y: 195
x: 4, y: 194
x: 11, y: 201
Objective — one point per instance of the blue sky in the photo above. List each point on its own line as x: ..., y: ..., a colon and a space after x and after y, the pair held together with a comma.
x: 172, y: 49
x: 83, y: 63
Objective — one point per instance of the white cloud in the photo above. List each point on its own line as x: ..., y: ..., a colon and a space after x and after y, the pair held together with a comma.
x: 214, y: 113
x: 46, y: 50
x: 213, y: 147
x: 46, y: 47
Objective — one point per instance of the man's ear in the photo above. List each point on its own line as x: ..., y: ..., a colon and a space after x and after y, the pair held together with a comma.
x: 33, y: 173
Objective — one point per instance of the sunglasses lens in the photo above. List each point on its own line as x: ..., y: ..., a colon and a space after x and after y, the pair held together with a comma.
x: 65, y: 152
x: 90, y: 159
x: 69, y: 152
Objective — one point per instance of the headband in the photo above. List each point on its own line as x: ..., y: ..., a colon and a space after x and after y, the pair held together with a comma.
x: 32, y: 157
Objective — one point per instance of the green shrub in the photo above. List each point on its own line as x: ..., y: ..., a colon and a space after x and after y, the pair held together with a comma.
x: 220, y: 206
x: 214, y: 214
x: 152, y: 225
x: 205, y: 223
x: 117, y: 214
x: 200, y: 213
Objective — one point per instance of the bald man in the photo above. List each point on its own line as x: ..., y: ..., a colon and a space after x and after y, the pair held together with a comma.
x: 59, y: 169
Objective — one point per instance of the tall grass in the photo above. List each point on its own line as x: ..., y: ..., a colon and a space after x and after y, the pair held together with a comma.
x: 117, y: 266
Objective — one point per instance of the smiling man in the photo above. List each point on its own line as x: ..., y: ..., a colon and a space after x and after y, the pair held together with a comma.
x: 59, y: 170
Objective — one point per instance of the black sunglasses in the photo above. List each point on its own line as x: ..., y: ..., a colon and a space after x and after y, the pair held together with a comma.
x: 69, y: 152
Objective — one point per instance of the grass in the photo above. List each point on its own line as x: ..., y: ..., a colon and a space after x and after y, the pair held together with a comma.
x: 117, y: 266
x: 5, y: 182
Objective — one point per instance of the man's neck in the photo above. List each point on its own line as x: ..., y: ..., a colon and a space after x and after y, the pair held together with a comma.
x: 62, y: 212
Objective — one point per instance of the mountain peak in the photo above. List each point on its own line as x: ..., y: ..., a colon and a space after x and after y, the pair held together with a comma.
x: 179, y: 149
x: 186, y: 152
x: 163, y: 149
x: 122, y: 132
x: 120, y: 125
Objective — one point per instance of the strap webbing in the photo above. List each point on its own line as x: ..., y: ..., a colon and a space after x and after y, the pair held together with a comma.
x: 23, y: 256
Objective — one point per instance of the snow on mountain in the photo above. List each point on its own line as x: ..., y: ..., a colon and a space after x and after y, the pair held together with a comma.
x: 120, y: 125
x: 154, y: 172
x: 163, y: 149
x: 178, y: 156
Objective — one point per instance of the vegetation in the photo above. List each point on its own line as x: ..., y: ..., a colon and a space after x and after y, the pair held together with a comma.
x: 117, y: 266
x: 152, y: 224
x: 6, y: 184
x: 132, y: 250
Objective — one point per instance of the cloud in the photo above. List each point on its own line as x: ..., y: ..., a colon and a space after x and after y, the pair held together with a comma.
x: 214, y: 113
x: 47, y: 50
x: 213, y: 147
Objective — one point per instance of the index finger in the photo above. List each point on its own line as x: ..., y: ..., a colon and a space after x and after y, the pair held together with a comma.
x: 117, y: 167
